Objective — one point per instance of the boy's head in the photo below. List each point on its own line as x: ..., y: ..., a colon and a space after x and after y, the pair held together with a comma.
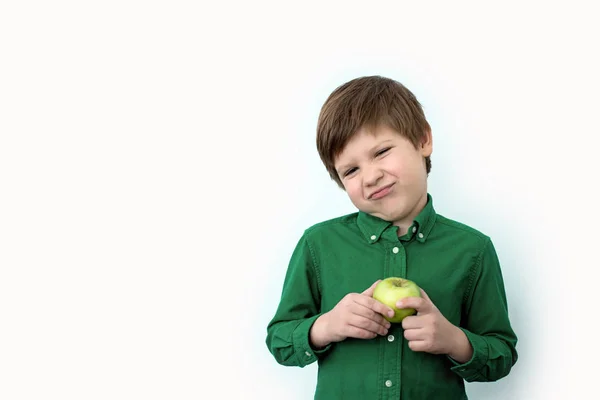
x: 365, y: 104
x: 374, y: 140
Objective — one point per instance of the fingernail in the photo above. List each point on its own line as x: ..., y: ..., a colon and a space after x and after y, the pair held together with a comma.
x: 399, y: 304
x: 391, y: 313
x: 387, y: 325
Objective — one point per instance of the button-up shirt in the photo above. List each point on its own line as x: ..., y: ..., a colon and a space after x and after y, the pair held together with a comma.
x: 455, y: 264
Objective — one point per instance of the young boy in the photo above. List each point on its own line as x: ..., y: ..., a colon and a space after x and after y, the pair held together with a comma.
x: 375, y: 142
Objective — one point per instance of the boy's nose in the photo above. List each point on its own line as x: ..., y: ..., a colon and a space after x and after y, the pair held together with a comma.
x: 372, y: 176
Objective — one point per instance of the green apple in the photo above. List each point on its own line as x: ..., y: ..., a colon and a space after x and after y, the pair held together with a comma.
x: 392, y: 289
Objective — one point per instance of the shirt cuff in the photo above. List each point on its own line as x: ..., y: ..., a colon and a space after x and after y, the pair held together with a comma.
x: 471, y: 370
x: 301, y: 339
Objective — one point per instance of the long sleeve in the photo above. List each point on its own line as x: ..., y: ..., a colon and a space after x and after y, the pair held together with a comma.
x: 486, y: 323
x: 299, y: 307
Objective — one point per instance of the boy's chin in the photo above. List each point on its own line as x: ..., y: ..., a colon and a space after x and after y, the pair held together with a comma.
x: 386, y: 216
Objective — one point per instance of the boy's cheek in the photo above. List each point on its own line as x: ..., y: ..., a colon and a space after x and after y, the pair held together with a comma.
x: 354, y: 191
x: 356, y: 198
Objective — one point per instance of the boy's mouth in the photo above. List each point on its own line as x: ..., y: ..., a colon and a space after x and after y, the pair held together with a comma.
x: 379, y: 193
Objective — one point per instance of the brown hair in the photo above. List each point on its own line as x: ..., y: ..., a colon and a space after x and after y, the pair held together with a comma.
x: 367, y: 102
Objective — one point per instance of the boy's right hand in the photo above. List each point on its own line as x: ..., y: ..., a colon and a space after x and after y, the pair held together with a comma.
x: 357, y: 315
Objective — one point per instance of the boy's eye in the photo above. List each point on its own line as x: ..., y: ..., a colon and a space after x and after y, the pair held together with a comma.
x: 382, y: 151
x: 350, y: 171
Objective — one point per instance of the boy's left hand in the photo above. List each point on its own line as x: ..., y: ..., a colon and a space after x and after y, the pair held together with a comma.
x: 429, y: 330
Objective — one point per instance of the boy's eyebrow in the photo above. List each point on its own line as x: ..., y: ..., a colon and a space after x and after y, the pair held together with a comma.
x: 345, y: 166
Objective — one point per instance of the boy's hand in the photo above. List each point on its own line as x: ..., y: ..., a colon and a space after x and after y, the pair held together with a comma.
x: 431, y: 332
x: 357, y: 315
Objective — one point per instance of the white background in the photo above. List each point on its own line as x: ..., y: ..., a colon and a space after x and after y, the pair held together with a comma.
x: 158, y: 165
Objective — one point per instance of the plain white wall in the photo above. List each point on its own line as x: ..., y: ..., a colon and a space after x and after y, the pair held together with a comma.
x: 157, y: 166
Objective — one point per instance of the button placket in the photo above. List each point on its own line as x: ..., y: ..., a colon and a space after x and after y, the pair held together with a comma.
x: 393, y: 348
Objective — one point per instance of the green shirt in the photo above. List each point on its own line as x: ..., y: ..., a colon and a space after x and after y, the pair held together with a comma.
x: 456, y: 265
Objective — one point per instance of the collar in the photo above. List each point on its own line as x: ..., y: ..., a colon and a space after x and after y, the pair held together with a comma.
x: 373, y: 228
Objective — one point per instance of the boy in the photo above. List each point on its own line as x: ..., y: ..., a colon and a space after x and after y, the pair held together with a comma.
x: 375, y: 142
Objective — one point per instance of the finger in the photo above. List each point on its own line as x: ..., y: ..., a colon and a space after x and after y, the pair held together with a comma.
x: 375, y: 305
x: 365, y: 312
x: 369, y: 291
x: 361, y: 308
x: 365, y: 317
x: 417, y: 345
x: 418, y: 303
x: 359, y: 333
x: 412, y: 322
x: 425, y: 295
x: 413, y: 334
x: 367, y: 324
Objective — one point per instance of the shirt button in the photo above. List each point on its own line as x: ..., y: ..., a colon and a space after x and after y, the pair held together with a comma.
x: 420, y: 236
x: 391, y: 338
x: 414, y: 229
x: 395, y: 250
x: 388, y: 383
x: 373, y: 237
x: 307, y: 354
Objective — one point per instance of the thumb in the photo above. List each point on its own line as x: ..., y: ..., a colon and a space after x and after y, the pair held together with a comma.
x: 369, y: 291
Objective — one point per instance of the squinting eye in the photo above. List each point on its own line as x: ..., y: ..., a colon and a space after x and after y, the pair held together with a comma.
x: 382, y: 151
x: 350, y: 171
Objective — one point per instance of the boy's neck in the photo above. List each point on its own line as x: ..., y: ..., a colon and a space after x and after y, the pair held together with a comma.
x: 405, y: 223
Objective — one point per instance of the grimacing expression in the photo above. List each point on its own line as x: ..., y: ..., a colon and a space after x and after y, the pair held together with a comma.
x: 384, y: 174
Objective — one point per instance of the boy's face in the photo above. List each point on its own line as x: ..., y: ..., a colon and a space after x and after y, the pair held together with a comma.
x: 384, y: 174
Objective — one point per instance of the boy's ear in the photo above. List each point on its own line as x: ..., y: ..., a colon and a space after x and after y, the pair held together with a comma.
x: 427, y: 144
